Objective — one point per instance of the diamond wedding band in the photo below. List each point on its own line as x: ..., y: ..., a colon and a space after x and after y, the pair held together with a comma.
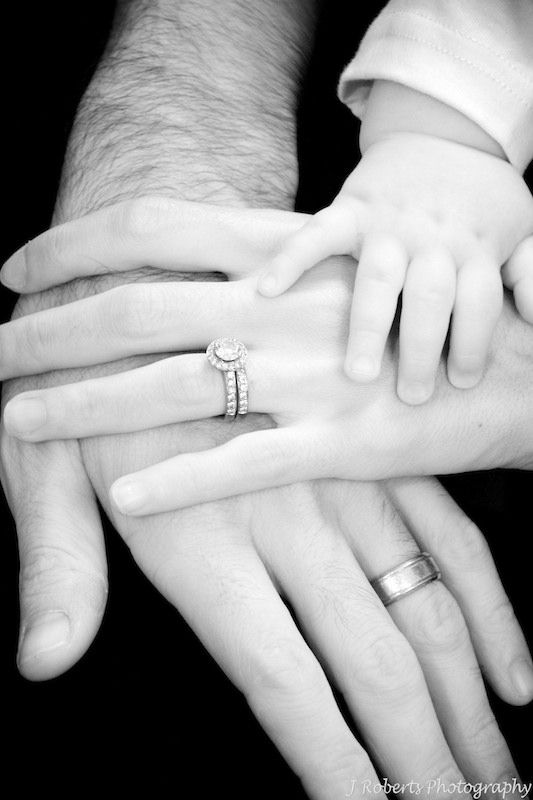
x: 229, y: 356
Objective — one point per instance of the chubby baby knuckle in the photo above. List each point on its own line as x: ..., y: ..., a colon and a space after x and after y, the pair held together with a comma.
x: 144, y: 217
x: 434, y: 294
x: 436, y: 621
x: 380, y: 272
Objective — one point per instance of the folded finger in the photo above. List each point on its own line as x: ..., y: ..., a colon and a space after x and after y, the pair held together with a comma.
x: 155, y: 232
x: 477, y: 309
x: 378, y: 282
x: 427, y: 303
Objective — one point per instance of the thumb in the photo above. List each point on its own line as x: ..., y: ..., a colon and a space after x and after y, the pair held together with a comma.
x: 63, y: 580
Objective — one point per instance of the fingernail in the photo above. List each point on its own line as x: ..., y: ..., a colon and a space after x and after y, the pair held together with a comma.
x: 42, y: 634
x: 363, y: 367
x: 267, y: 283
x: 522, y: 676
x: 465, y: 380
x: 414, y: 393
x: 13, y: 273
x: 128, y: 496
x: 24, y: 415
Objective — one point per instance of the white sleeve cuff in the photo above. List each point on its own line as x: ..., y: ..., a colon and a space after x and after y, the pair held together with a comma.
x: 486, y: 83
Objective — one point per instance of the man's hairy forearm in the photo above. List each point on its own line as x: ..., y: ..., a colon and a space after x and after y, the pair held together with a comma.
x: 194, y: 98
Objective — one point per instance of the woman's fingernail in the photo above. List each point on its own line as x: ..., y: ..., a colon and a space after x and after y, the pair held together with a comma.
x: 522, y: 676
x: 128, y: 496
x: 363, y: 367
x: 42, y: 634
x: 13, y: 273
x: 25, y: 415
x: 267, y: 283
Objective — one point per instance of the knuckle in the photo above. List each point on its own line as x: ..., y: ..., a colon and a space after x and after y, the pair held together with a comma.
x: 186, y: 382
x: 272, y: 459
x: 464, y: 544
x: 346, y: 764
x: 282, y: 668
x: 381, y: 272
x: 144, y: 217
x: 34, y: 339
x: 46, y: 250
x: 47, y: 568
x: 441, y: 772
x: 501, y: 617
x: 436, y: 293
x: 485, y: 733
x: 386, y: 664
x: 133, y: 312
x: 437, y: 621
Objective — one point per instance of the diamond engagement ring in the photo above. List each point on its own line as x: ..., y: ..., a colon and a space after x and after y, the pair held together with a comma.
x: 406, y: 578
x: 229, y: 356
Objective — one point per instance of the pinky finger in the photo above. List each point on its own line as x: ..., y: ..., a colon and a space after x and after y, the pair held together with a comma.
x: 250, y: 462
x: 477, y: 308
x: 330, y: 232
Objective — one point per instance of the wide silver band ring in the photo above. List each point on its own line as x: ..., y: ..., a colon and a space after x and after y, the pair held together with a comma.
x: 406, y: 578
x: 229, y: 356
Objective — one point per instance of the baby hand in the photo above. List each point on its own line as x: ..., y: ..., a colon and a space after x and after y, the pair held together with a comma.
x: 435, y: 221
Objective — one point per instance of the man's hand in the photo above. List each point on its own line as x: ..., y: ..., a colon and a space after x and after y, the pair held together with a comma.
x: 203, y: 560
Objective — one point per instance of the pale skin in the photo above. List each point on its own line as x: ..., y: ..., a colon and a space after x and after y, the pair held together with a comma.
x: 325, y: 425
x: 432, y: 212
x: 222, y: 564
x: 312, y: 561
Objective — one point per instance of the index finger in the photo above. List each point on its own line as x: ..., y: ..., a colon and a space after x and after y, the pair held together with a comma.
x: 155, y: 232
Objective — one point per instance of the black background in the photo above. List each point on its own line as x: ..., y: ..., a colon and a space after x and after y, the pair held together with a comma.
x: 146, y: 709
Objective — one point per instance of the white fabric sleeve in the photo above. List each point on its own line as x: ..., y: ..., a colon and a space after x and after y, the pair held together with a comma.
x: 473, y: 55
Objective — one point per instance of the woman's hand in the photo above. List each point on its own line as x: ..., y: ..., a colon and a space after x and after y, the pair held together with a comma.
x: 327, y: 426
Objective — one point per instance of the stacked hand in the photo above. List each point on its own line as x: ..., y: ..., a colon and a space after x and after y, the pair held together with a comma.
x: 326, y: 425
x: 410, y: 679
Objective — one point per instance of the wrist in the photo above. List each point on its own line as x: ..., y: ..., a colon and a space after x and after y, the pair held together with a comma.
x: 396, y: 109
x: 176, y: 108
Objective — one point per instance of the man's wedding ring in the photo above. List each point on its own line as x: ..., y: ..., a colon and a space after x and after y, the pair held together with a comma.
x: 406, y: 578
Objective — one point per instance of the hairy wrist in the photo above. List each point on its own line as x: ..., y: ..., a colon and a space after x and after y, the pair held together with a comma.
x: 194, y: 99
